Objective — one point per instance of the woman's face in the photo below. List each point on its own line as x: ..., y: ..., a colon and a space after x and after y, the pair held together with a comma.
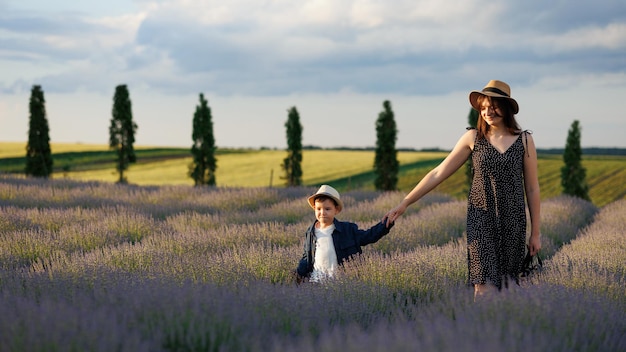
x: 491, y: 112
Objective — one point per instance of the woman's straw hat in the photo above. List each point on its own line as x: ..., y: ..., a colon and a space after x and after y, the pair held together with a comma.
x: 328, y: 191
x: 495, y: 89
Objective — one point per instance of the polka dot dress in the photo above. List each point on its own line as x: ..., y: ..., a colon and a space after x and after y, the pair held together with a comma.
x: 496, y: 214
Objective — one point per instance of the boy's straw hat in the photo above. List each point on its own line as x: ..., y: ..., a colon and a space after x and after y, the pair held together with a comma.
x: 495, y: 89
x: 327, y: 190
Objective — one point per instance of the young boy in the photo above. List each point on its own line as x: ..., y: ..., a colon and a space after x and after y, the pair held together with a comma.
x: 329, y: 242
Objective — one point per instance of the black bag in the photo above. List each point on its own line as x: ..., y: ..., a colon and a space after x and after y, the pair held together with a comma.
x: 532, y: 264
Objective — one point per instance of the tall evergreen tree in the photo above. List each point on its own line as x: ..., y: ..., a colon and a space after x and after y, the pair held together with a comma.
x: 472, y: 120
x: 122, y: 131
x: 38, y: 154
x: 573, y: 173
x: 386, y: 165
x: 292, y: 163
x: 202, y: 169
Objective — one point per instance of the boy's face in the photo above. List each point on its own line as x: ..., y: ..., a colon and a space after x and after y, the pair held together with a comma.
x: 325, y: 211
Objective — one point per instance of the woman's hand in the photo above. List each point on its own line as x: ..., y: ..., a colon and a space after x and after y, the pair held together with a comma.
x: 534, y: 244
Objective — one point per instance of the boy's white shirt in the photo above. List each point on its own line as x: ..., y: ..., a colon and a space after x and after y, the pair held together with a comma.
x: 325, y: 255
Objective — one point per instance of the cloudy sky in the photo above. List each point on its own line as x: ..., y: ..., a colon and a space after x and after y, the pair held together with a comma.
x: 336, y: 61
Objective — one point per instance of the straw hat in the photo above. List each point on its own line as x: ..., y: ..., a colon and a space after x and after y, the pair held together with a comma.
x: 495, y: 89
x: 328, y: 191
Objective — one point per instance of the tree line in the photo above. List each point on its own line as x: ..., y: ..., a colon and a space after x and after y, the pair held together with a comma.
x: 202, y: 169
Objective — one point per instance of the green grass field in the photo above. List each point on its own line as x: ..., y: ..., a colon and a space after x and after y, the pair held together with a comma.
x: 344, y: 169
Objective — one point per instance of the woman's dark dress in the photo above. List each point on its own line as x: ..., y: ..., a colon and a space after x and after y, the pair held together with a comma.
x: 496, y: 214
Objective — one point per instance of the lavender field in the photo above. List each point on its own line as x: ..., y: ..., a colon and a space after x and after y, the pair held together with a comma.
x: 104, y: 267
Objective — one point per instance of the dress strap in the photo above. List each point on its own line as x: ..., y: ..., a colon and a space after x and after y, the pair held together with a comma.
x: 526, y: 133
x: 472, y: 128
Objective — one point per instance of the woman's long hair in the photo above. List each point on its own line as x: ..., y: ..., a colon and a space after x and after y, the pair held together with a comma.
x: 504, y: 108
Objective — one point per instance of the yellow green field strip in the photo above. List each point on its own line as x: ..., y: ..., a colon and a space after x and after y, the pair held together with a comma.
x: 322, y: 165
x: 166, y: 172
x: 248, y: 169
x: 549, y: 173
x: 253, y: 168
x: 18, y: 149
x: 606, y: 178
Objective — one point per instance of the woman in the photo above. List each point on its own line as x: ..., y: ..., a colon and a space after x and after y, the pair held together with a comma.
x: 504, y: 161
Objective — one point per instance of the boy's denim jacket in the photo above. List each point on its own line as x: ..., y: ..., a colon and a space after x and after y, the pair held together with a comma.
x: 347, y: 238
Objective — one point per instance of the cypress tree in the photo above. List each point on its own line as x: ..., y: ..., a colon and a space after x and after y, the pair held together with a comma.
x: 38, y: 154
x: 386, y: 165
x: 292, y: 163
x: 202, y: 169
x: 573, y: 173
x: 122, y: 131
x: 472, y: 120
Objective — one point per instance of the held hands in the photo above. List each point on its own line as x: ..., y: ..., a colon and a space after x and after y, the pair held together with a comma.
x: 393, y: 214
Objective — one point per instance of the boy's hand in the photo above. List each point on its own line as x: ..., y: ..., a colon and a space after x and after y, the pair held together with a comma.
x: 297, y: 277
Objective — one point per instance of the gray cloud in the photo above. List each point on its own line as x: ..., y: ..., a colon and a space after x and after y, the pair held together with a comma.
x: 42, y: 24
x: 183, y: 52
x: 560, y: 16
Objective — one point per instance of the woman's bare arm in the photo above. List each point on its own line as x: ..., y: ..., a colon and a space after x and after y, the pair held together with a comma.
x: 436, y: 176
